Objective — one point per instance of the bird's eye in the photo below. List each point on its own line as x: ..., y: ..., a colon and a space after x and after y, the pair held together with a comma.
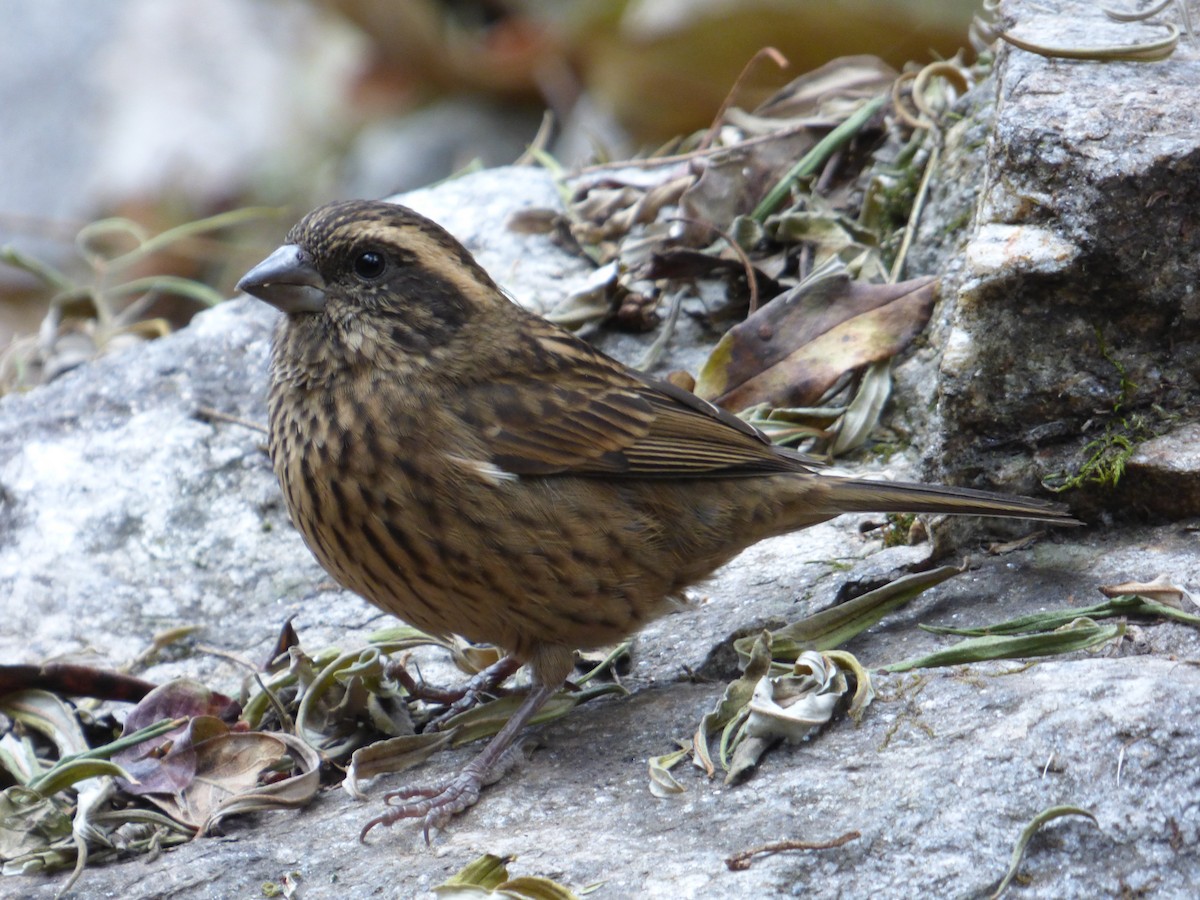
x: 369, y: 265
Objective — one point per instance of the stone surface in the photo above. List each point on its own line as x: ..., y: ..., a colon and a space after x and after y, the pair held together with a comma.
x: 112, y: 103
x: 1071, y: 313
x: 1163, y: 474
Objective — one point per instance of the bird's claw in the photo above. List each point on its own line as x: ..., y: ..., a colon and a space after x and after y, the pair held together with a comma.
x: 436, y: 805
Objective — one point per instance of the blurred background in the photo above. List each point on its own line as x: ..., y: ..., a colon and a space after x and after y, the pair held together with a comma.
x: 165, y: 112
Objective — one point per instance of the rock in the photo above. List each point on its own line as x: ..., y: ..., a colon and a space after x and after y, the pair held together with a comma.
x: 1163, y: 474
x: 426, y: 145
x: 1071, y: 313
x: 159, y: 101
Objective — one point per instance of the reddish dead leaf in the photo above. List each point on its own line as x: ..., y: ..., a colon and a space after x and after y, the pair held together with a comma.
x: 795, y: 348
x: 168, y: 764
x: 206, y: 769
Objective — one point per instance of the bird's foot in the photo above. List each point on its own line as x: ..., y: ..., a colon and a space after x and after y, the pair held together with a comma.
x: 437, y: 804
x: 456, y: 700
x: 481, y: 684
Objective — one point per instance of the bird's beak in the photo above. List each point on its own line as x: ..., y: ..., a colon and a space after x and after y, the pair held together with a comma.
x: 286, y: 280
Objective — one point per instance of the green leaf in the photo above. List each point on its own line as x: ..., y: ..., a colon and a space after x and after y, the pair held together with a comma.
x: 1079, y: 635
x: 1027, y: 833
x: 1123, y: 605
x: 815, y: 158
x: 831, y: 628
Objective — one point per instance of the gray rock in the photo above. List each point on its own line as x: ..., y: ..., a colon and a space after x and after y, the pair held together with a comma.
x: 1073, y: 315
x: 1164, y: 474
x: 432, y: 143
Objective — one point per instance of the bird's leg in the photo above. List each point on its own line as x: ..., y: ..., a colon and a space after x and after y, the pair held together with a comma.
x: 457, y: 699
x: 481, y: 683
x: 437, y: 805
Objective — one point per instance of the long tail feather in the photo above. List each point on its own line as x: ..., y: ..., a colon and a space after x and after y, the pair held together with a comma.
x: 856, y: 495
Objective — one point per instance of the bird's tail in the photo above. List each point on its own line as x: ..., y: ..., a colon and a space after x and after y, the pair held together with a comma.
x: 838, y: 495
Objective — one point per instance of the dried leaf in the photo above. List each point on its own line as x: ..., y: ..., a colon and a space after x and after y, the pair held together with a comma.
x: 831, y: 90
x: 393, y: 755
x: 202, y: 771
x: 293, y: 792
x: 795, y: 348
x: 862, y: 415
x: 29, y: 823
x: 792, y: 706
x: 1160, y: 590
x: 735, y: 698
x: 591, y: 303
x: 177, y: 699
x: 486, y: 878
x: 662, y: 783
x: 48, y: 714
x: 730, y: 185
x: 864, y: 690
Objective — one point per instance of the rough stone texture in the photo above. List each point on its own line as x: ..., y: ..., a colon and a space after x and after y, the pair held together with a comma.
x: 1082, y: 245
x: 1167, y: 469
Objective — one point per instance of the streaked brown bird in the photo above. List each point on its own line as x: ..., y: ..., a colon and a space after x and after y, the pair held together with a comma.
x: 471, y: 468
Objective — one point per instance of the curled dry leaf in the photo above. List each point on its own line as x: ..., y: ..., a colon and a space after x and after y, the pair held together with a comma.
x: 1160, y: 590
x: 737, y: 695
x: 798, y: 346
x: 239, y: 754
x: 392, y: 755
x: 662, y: 783
x: 792, y: 706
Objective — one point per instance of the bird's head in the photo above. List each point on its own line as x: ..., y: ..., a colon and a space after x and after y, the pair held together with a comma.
x: 368, y: 277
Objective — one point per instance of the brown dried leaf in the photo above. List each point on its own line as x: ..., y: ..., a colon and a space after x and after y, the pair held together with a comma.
x: 1160, y: 590
x: 168, y: 764
x: 795, y: 348
x: 392, y: 755
x: 733, y: 183
x: 844, y: 80
x: 288, y: 793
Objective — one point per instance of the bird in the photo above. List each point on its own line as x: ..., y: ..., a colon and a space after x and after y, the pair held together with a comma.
x: 473, y: 469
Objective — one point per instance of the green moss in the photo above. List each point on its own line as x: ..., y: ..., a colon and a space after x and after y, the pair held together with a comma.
x: 897, y: 530
x: 1106, y: 456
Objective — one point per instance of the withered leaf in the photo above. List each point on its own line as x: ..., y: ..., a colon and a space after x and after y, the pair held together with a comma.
x: 167, y: 764
x: 828, y: 89
x: 793, y: 349
x: 205, y: 769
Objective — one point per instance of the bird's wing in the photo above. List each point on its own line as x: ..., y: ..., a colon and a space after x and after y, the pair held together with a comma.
x: 585, y: 414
